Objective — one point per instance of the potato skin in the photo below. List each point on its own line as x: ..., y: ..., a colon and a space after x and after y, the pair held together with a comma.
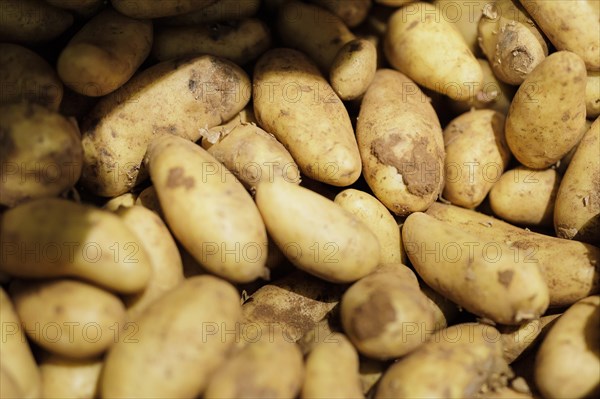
x: 353, y: 69
x: 464, y: 16
x: 540, y: 128
x: 222, y: 10
x: 172, y: 97
x: 566, y: 364
x: 156, y: 9
x: 41, y: 153
x: 64, y: 378
x: 400, y: 142
x: 592, y: 95
x: 192, y: 185
x: 32, y: 21
x: 180, y: 341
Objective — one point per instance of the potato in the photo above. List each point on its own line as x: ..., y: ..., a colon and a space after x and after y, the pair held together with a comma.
x: 28, y: 77
x: 216, y: 133
x: 57, y: 238
x: 64, y: 378
x: 182, y: 338
x: 416, y: 29
x: 68, y: 317
x: 401, y: 145
x: 570, y: 26
x: 167, y: 269
x: 353, y: 69
x: 249, y: 373
x: 19, y: 374
x: 324, y: 331
x: 173, y: 97
x: 457, y: 362
x: 315, y: 234
x: 149, y: 199
x: 393, y: 3
x: 566, y: 364
x: 126, y: 200
x: 239, y: 41
x: 351, y: 12
x: 41, y: 153
x: 517, y: 339
x: 32, y: 21
x: 332, y: 370
x: 84, y: 8
x: 314, y: 30
x: 254, y: 155
x: 476, y: 156
x: 546, y: 117
x: 464, y: 16
x: 222, y: 10
x: 461, y: 266
x: 100, y: 58
x: 295, y: 103
x: 571, y: 269
x: 230, y: 238
x: 385, y: 315
x: 513, y: 45
x: 376, y: 216
x: 592, y: 95
x: 577, y: 208
x: 156, y: 9
x: 444, y: 311
x: 525, y: 196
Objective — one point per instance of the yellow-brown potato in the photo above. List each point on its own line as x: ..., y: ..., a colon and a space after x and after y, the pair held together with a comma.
x: 353, y: 69
x: 41, y: 153
x: 181, y: 339
x: 68, y: 317
x: 401, y: 144
x: 567, y: 364
x: 84, y: 8
x: 451, y: 69
x: 526, y: 196
x: 370, y: 372
x: 124, y: 200
x: 377, y: 217
x: 464, y: 15
x: 481, y: 276
x: 457, y: 362
x: 32, y: 21
x: 227, y: 236
x: 332, y: 370
x: 19, y: 374
x: 512, y: 43
x: 295, y: 103
x: 571, y: 268
x: 172, y: 97
x: 577, y: 207
x: 316, y: 234
x: 517, y: 339
x: 385, y: 315
x: 570, y: 25
x: 546, y: 117
x: 25, y: 76
x: 149, y: 199
x: 222, y: 10
x: 64, y: 378
x: 444, y: 311
x: 58, y: 238
x: 249, y: 373
x: 239, y: 41
x: 393, y: 3
x: 214, y: 134
x: 476, y: 156
x: 159, y: 8
x: 592, y: 95
x: 167, y: 269
x: 105, y: 53
x: 352, y: 12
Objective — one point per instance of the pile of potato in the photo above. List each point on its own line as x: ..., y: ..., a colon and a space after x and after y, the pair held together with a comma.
x: 314, y: 199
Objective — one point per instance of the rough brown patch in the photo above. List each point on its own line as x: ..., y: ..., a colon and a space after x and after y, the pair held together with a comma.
x: 176, y: 179
x: 505, y: 277
x: 412, y: 25
x: 370, y: 318
x: 355, y: 46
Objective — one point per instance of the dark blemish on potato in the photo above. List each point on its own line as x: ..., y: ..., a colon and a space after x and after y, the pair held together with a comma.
x: 336, y: 40
x: 176, y: 179
x: 505, y: 277
x: 412, y: 25
x: 192, y: 85
x: 370, y: 318
x: 355, y: 46
x: 59, y: 309
x: 113, y: 133
x: 565, y: 116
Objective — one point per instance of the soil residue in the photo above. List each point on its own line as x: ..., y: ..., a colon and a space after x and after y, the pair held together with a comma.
x: 371, y: 317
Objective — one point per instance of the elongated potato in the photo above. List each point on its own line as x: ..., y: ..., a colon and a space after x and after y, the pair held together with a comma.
x: 571, y: 269
x: 451, y: 70
x: 476, y: 156
x: 592, y: 95
x: 461, y: 266
x: 101, y: 58
x: 214, y: 134
x: 315, y: 234
x: 58, y: 238
x: 352, y: 12
x: 401, y: 144
x: 64, y: 378
x: 526, y: 196
x: 464, y: 16
x: 229, y: 238
x: 249, y: 373
x: 570, y: 25
x: 353, y: 69
x: 517, y: 339
x: 32, y: 21
x: 149, y: 199
x: 444, y: 311
x: 547, y: 115
x: 19, y: 374
x: 156, y: 9
x: 28, y: 77
x: 566, y: 364
x: 577, y: 209
x: 180, y: 341
x: 239, y: 41
x: 222, y: 10
x: 332, y: 370
x: 173, y: 97
x: 84, y: 8
x: 376, y: 216
x: 295, y: 103
x: 41, y: 153
x: 167, y: 269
